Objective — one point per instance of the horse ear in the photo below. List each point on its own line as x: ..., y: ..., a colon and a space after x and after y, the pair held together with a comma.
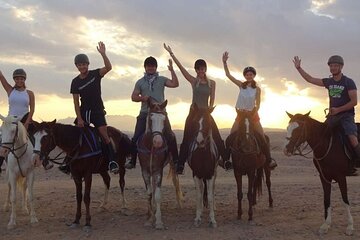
x: 306, y: 115
x: 211, y: 109
x: 163, y: 105
x: 2, y: 117
x: 289, y: 114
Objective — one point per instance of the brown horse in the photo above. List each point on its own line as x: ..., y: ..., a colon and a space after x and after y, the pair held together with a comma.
x: 85, y: 160
x: 328, y: 156
x: 203, y: 161
x: 153, y: 157
x: 248, y: 160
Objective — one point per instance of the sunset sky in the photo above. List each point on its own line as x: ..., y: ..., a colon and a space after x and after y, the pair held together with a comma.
x: 44, y: 36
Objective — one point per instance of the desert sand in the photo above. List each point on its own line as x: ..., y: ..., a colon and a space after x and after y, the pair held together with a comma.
x: 297, y: 212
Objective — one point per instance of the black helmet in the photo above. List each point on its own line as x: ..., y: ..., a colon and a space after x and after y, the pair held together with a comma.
x: 19, y: 73
x: 249, y: 69
x: 81, y: 58
x: 336, y: 59
x: 150, y: 61
x: 200, y: 63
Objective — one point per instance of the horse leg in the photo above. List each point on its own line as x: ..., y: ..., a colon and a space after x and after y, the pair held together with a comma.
x: 324, y: 228
x: 211, y: 199
x: 7, y: 201
x: 78, y: 184
x: 88, y: 181
x: 122, y: 185
x: 175, y: 180
x: 199, y: 186
x: 250, y: 194
x: 343, y: 189
x: 106, y: 179
x: 30, y: 183
x: 12, y: 182
x: 238, y: 178
x: 268, y: 184
x: 157, y: 185
x: 148, y: 186
x: 24, y: 196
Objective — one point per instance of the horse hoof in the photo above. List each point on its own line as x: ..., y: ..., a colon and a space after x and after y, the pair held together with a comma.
x: 323, y: 230
x: 26, y: 211
x: 87, y: 229
x: 251, y: 223
x: 11, y: 226
x: 212, y: 225
x: 74, y: 225
x: 159, y: 226
x: 197, y: 223
x: 34, y: 220
x: 349, y: 231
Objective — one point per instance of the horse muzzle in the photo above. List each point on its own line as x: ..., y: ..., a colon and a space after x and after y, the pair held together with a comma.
x: 287, y: 151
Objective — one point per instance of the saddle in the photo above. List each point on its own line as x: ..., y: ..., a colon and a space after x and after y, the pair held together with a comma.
x: 90, y: 137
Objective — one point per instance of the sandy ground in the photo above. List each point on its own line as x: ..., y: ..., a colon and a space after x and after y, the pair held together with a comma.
x: 297, y: 212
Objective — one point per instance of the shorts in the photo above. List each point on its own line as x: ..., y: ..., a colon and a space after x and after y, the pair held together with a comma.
x: 95, y: 117
x: 347, y: 122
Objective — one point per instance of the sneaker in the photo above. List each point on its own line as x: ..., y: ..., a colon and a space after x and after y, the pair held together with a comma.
x: 129, y: 164
x: 272, y: 164
x: 114, y: 167
x: 65, y: 169
x: 48, y: 166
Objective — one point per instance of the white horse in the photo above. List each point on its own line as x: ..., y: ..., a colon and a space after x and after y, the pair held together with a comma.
x: 20, y: 167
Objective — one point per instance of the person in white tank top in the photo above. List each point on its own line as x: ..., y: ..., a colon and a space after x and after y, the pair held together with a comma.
x: 249, y: 100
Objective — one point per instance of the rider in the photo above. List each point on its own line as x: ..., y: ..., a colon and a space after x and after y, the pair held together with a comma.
x: 86, y: 87
x: 21, y: 103
x: 203, y: 91
x: 152, y: 85
x: 249, y: 100
x: 343, y: 97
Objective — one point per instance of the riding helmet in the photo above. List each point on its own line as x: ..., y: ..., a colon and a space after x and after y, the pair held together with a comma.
x: 249, y: 69
x: 336, y: 59
x: 19, y: 73
x: 81, y: 58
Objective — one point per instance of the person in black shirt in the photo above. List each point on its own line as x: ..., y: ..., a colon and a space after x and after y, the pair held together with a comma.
x: 86, y: 88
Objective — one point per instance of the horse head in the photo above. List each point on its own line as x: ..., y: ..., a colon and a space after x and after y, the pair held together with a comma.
x: 296, y: 133
x: 246, y: 140
x: 13, y: 134
x: 156, y: 122
x: 202, y: 125
x: 44, y: 139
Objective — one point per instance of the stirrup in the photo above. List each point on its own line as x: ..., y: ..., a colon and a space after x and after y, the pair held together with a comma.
x: 272, y: 164
x: 114, y: 167
x: 65, y: 169
x: 180, y: 170
x: 129, y: 164
x: 228, y: 165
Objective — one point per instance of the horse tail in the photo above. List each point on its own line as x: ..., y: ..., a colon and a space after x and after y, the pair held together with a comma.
x: 205, y: 196
x: 175, y: 179
x: 20, y: 183
x: 258, y: 181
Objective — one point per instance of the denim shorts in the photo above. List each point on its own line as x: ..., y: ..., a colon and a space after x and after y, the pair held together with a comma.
x: 347, y: 122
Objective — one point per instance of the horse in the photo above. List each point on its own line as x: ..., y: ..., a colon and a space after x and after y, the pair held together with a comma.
x: 329, y: 159
x: 85, y: 159
x: 20, y: 166
x: 153, y: 157
x: 248, y: 160
x: 203, y: 161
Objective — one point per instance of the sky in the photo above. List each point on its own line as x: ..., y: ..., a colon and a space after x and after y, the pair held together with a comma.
x: 43, y: 36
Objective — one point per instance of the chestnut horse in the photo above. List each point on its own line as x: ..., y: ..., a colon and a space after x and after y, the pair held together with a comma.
x: 84, y: 160
x: 328, y: 156
x: 203, y: 161
x: 248, y: 160
x: 153, y: 157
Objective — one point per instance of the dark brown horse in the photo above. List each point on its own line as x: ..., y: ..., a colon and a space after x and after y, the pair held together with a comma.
x: 328, y: 156
x: 85, y: 160
x: 153, y: 157
x: 248, y: 160
x: 203, y: 161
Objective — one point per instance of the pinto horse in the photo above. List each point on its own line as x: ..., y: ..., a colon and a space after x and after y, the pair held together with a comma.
x: 20, y: 166
x: 203, y: 161
x: 153, y: 157
x: 248, y: 160
x: 328, y: 156
x: 84, y: 161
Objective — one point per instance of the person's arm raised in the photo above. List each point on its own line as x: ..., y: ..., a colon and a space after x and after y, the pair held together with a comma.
x: 225, y: 57
x: 8, y: 88
x: 102, y: 50
x: 305, y: 75
x: 184, y: 72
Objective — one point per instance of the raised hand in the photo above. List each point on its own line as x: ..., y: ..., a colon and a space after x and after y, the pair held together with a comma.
x: 170, y: 66
x: 225, y: 57
x: 168, y: 48
x: 101, y: 48
x: 297, y: 62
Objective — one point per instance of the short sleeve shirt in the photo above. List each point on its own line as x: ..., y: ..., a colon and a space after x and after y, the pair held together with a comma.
x: 156, y: 91
x: 89, y: 90
x: 338, y: 91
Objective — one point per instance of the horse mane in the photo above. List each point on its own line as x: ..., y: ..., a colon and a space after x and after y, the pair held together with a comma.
x: 22, y: 133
